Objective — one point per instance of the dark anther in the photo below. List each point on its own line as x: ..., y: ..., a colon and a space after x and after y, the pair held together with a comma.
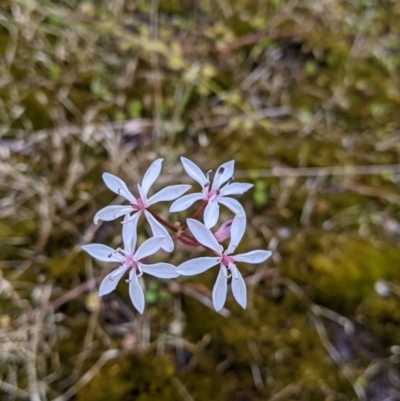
x: 110, y: 255
x: 230, y: 180
x: 206, y: 185
x: 217, y: 192
x: 221, y: 170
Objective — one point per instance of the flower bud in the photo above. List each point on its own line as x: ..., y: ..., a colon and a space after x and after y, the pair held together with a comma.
x: 224, y: 232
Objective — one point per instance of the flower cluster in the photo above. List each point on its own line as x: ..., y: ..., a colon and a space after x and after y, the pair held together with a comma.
x: 132, y: 258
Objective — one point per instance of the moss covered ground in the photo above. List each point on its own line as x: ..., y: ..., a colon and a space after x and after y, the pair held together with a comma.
x: 303, y: 95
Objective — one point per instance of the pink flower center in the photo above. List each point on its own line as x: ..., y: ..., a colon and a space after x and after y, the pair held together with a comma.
x: 139, y: 205
x: 130, y: 263
x: 210, y: 194
x: 227, y: 260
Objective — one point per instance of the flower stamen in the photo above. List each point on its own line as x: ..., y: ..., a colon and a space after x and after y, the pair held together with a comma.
x: 235, y: 274
x: 130, y: 219
x: 227, y: 275
x: 122, y: 251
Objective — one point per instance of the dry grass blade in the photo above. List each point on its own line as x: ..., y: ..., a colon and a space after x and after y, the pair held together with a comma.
x: 88, y: 376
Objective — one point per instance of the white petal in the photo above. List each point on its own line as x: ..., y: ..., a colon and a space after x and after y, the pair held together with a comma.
x: 220, y: 289
x: 150, y: 246
x: 159, y: 230
x: 237, y: 231
x: 223, y: 173
x: 136, y: 292
x: 203, y: 235
x: 197, y: 266
x: 110, y: 213
x: 193, y: 171
x: 161, y: 270
x: 129, y: 231
x: 233, y: 205
x: 185, y: 202
x: 103, y: 253
x: 252, y: 256
x: 238, y: 287
x: 151, y: 175
x: 168, y: 194
x: 118, y: 186
x: 142, y: 194
x: 110, y: 281
x: 211, y: 214
x: 236, y: 188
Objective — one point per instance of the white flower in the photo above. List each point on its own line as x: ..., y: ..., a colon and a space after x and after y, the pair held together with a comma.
x: 138, y: 206
x: 213, y: 195
x: 224, y: 258
x: 131, y: 261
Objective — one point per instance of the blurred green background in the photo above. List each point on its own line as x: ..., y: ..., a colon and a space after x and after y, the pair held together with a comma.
x: 296, y: 92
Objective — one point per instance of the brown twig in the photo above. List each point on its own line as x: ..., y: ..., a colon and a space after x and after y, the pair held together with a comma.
x: 370, y: 191
x: 55, y: 304
x: 280, y: 171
